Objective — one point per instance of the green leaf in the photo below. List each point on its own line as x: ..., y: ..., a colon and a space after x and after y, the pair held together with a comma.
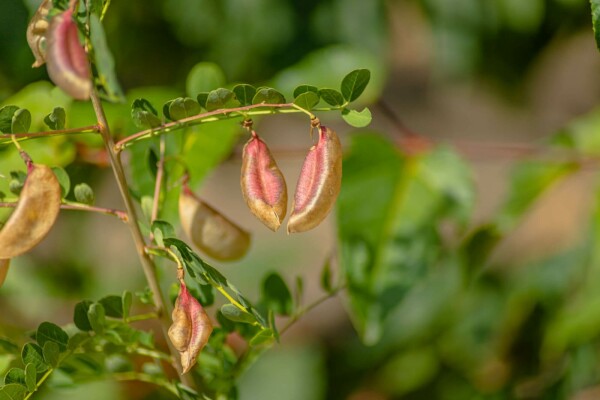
x: 263, y: 337
x: 389, y: 246
x: 51, y: 353
x: 326, y: 277
x: 204, y: 77
x: 97, y: 317
x: 30, y: 377
x: 221, y: 98
x: 144, y: 115
x: 56, y: 119
x: 183, y: 107
x: 307, y: 100
x: 165, y: 110
x: 104, y: 62
x: 80, y: 315
x: 113, y: 306
x: 84, y: 194
x: 233, y: 313
x: 332, y: 97
x: 21, y: 121
x: 268, y: 96
x: 355, y: 83
x: 6, y: 117
x: 7, y: 346
x: 305, y: 89
x: 152, y: 161
x: 276, y: 296
x: 49, y: 332
x: 32, y: 353
x: 596, y: 20
x: 15, y: 375
x: 63, y: 180
x: 126, y: 300
x: 202, y: 98
x: 244, y: 93
x: 13, y: 391
x: 357, y: 119
x: 161, y: 230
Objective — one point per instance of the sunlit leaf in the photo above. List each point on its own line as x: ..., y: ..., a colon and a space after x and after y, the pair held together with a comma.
x: 268, y: 96
x: 358, y: 119
x: 355, y: 83
x: 307, y: 100
x: 221, y: 98
x: 21, y: 121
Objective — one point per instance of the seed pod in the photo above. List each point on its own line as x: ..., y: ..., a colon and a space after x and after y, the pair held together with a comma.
x: 263, y: 184
x: 191, y: 328
x: 209, y: 230
x: 66, y: 58
x: 4, y: 263
x: 36, y: 33
x: 35, y: 213
x: 319, y: 183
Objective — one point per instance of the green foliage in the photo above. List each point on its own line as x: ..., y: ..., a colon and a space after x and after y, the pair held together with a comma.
x: 596, y: 20
x: 56, y: 119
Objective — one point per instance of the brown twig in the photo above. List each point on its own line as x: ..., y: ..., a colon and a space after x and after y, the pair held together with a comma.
x: 84, y: 129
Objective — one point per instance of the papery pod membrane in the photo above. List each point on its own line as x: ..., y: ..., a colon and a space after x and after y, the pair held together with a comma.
x: 4, y: 264
x: 66, y: 59
x: 36, y: 33
x: 319, y: 183
x: 209, y: 230
x: 191, y: 328
x: 35, y: 213
x: 263, y: 184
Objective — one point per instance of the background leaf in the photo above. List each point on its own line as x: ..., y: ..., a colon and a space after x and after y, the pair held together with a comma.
x: 204, y: 77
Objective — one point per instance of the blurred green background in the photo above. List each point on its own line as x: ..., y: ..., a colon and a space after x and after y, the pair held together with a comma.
x: 489, y: 286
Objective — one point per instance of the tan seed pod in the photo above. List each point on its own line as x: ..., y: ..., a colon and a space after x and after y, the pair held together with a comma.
x: 35, y: 213
x: 209, y: 230
x: 36, y: 33
x: 66, y: 59
x: 191, y: 328
x: 319, y: 183
x: 263, y: 184
x: 4, y: 264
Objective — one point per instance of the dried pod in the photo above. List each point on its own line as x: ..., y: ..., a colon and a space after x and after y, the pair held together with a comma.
x: 35, y: 213
x: 66, y: 58
x: 263, y: 184
x: 36, y: 33
x: 4, y: 263
x: 209, y: 230
x: 319, y: 183
x: 191, y: 328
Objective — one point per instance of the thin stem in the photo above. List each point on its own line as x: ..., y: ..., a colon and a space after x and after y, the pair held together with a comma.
x: 159, y: 178
x: 238, y: 112
x: 294, y: 318
x: 147, y: 263
x: 122, y: 215
x: 141, y: 317
x: 84, y: 129
x: 40, y: 382
x: 139, y: 376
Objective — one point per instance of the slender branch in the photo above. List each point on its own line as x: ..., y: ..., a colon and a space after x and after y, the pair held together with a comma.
x: 139, y: 376
x: 210, y: 116
x: 122, y: 215
x: 141, y: 317
x: 84, y: 129
x: 301, y: 312
x: 147, y: 263
x: 159, y: 178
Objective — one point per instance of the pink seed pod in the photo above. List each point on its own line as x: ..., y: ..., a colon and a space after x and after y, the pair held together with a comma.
x: 263, y: 184
x: 191, y: 327
x: 36, y: 33
x: 319, y: 183
x: 66, y: 59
